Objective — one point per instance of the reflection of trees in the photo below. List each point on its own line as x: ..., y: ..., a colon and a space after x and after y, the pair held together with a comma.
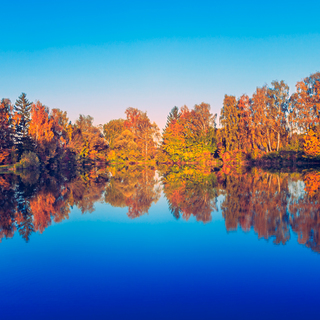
x: 133, y: 187
x: 7, y: 206
x: 305, y: 212
x: 257, y: 200
x: 30, y: 202
x: 87, y: 189
x: 271, y: 204
x: 190, y: 191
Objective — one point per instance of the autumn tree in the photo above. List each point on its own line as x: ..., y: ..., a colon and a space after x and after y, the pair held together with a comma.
x: 6, y: 132
x: 205, y: 124
x: 112, y: 130
x: 311, y: 145
x: 125, y: 148
x: 87, y: 141
x: 41, y: 132
x: 278, y: 96
x: 246, y: 126
x: 145, y: 133
x: 174, y: 144
x: 304, y: 111
x: 189, y: 135
x: 261, y: 119
x: 236, y: 136
x: 60, y: 127
x: 229, y: 121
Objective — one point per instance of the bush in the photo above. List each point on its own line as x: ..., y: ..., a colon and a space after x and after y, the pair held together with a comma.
x: 274, y: 155
x: 29, y: 160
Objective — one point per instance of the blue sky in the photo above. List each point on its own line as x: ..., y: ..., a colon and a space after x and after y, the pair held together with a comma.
x: 100, y: 57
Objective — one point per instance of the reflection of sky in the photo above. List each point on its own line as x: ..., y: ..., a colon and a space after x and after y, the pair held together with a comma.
x: 296, y: 189
x: 105, y: 266
x: 296, y: 193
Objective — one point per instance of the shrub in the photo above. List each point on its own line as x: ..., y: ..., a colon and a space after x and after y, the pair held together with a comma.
x: 29, y: 160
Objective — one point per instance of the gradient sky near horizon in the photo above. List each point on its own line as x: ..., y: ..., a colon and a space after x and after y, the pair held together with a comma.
x: 101, y: 57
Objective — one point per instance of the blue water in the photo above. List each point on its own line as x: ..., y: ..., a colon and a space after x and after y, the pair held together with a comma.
x: 104, y: 265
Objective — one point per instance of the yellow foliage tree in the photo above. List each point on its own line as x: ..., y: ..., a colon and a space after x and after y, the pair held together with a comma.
x: 311, y: 145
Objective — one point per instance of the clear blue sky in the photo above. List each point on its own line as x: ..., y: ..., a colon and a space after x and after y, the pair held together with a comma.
x: 100, y: 57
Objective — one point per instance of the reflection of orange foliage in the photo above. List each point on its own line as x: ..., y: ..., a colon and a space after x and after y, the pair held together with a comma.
x: 255, y: 200
x: 229, y: 169
x: 7, y: 202
x: 19, y: 218
x: 190, y: 200
x: 42, y: 207
x: 312, y: 183
x: 4, y: 156
x: 235, y: 155
x: 51, y: 201
x: 226, y: 157
x: 4, y: 184
x: 137, y: 207
x: 7, y: 227
x: 177, y: 197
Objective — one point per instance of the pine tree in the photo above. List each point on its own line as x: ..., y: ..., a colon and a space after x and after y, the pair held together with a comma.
x: 173, y: 115
x: 22, y: 110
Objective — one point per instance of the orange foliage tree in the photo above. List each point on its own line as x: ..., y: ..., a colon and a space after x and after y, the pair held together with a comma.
x: 311, y: 145
x: 145, y: 133
x: 40, y: 130
x: 305, y: 104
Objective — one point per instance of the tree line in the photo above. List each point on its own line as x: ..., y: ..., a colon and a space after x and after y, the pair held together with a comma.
x: 250, y: 128
x: 272, y: 120
x: 33, y: 134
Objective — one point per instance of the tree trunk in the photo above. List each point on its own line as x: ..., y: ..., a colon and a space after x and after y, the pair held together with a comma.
x: 269, y: 141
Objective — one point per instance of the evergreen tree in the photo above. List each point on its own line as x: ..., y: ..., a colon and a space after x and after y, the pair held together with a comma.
x: 22, y: 110
x: 173, y: 115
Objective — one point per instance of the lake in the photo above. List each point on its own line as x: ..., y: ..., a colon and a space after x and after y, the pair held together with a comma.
x: 160, y: 243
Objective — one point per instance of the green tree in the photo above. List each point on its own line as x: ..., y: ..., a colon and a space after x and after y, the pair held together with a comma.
x: 112, y: 130
x: 173, y: 115
x: 22, y: 110
x: 125, y: 147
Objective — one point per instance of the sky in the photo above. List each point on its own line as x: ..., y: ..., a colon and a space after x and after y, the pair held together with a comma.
x: 101, y: 57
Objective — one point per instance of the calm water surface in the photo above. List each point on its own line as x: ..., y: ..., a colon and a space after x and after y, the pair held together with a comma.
x: 177, y: 243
